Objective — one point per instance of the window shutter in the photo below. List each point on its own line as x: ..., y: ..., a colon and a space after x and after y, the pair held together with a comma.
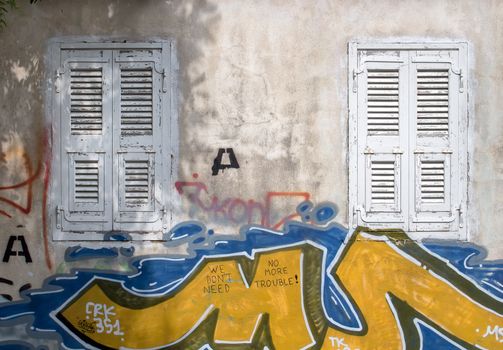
x: 434, y: 140
x: 408, y: 155
x: 137, y: 140
x: 382, y: 140
x: 85, y: 96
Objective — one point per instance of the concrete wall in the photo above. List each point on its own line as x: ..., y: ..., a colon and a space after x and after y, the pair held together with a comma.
x: 265, y: 78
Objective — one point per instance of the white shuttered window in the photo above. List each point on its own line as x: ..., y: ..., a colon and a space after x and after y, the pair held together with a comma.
x: 407, y: 130
x: 111, y: 131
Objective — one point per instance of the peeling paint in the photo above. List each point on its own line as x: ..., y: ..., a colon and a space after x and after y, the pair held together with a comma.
x: 111, y: 10
x: 12, y: 160
x: 20, y: 72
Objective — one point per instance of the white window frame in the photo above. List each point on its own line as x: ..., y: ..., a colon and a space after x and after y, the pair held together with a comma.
x: 165, y: 147
x: 357, y: 211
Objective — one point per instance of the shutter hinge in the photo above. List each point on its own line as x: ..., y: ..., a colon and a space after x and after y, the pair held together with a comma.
x: 368, y: 153
x: 164, y: 81
x: 164, y: 214
x: 460, y: 213
x: 355, y: 79
x: 461, y: 80
x: 355, y: 87
x: 362, y: 211
x: 57, y: 83
x: 355, y: 217
x: 59, y: 212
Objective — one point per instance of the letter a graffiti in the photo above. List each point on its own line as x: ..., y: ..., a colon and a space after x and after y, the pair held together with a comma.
x: 23, y: 252
x: 217, y: 163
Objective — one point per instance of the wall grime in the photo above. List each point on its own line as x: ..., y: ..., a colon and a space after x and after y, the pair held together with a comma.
x: 313, y: 285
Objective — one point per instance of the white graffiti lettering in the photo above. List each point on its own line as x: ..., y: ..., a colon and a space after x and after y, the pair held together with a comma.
x: 495, y: 331
x: 338, y: 343
x: 103, y: 317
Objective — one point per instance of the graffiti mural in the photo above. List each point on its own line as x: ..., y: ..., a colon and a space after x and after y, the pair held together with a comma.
x: 236, y: 210
x: 313, y: 285
x: 218, y: 165
x: 24, y: 251
x: 18, y: 177
x: 16, y: 160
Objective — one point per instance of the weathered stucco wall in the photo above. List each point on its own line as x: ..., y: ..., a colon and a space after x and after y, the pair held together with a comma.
x: 265, y: 78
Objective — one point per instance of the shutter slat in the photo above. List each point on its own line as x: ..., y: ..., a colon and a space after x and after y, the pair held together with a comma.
x: 431, y: 115
x: 434, y: 102
x: 85, y: 102
x: 141, y: 78
x: 381, y: 87
x: 85, y: 72
x: 86, y: 129
x: 97, y: 91
x: 137, y: 102
x: 433, y: 121
x: 86, y: 121
x: 87, y: 80
x: 391, y: 94
x: 136, y: 91
x: 128, y: 108
x: 136, y: 85
x: 434, y: 97
x: 432, y: 109
x: 85, y: 108
x: 381, y: 121
x: 86, y: 84
x: 384, y: 98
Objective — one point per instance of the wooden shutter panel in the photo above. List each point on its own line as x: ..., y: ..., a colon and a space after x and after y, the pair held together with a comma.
x: 434, y: 140
x: 382, y: 140
x: 85, y: 118
x: 137, y: 141
x: 408, y: 168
